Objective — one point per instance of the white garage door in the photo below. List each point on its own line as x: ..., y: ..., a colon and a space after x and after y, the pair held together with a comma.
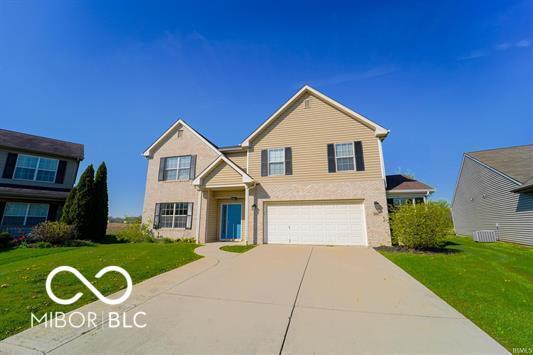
x: 319, y: 223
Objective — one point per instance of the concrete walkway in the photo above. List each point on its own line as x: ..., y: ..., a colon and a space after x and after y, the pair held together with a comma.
x: 275, y: 299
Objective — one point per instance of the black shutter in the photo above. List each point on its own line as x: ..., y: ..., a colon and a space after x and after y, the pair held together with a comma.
x: 359, y: 159
x: 52, y: 212
x: 331, y: 158
x: 2, y: 208
x: 161, y: 176
x: 288, y: 161
x: 192, y: 173
x: 9, y: 168
x: 189, y: 216
x: 264, y: 162
x: 156, y: 215
x: 61, y: 169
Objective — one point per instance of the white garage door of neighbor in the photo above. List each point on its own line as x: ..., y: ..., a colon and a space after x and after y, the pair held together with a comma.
x: 319, y: 223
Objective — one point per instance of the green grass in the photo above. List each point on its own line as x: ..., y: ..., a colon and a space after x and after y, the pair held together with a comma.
x: 23, y: 274
x: 237, y: 248
x: 490, y: 283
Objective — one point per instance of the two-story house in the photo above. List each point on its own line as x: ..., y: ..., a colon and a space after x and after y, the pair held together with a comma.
x: 37, y: 174
x: 312, y: 173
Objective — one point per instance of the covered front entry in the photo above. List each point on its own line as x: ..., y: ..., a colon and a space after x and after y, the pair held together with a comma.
x: 230, y: 221
x: 317, y: 223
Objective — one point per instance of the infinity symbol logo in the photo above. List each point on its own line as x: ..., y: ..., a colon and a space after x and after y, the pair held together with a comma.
x: 86, y: 282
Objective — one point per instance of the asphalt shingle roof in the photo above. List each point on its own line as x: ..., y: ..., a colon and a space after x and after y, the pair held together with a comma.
x: 38, y: 144
x: 401, y: 182
x: 515, y: 162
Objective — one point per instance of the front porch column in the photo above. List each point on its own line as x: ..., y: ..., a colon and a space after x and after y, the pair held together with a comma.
x: 199, y: 215
x: 246, y: 204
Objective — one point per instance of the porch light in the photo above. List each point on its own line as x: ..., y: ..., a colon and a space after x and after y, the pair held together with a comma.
x: 378, y: 206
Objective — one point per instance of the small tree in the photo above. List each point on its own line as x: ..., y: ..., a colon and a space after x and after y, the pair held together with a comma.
x: 421, y: 226
x: 101, y: 206
x: 66, y: 211
x: 82, y: 211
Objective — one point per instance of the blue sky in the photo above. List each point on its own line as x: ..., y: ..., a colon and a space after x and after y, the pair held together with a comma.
x: 444, y: 78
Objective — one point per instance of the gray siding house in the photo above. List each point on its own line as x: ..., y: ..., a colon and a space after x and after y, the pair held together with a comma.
x: 495, y: 192
x: 36, y: 175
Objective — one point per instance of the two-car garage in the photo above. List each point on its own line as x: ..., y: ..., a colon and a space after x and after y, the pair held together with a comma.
x: 316, y: 222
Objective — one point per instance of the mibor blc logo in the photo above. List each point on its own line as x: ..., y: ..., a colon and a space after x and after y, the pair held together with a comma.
x: 78, y: 319
x: 86, y: 282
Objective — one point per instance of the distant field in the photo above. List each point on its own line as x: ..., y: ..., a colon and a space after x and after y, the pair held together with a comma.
x: 113, y: 228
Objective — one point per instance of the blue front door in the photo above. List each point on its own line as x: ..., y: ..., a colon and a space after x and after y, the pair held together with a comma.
x: 230, y: 221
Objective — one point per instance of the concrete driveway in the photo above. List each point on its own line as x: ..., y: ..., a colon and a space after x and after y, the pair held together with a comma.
x: 277, y: 299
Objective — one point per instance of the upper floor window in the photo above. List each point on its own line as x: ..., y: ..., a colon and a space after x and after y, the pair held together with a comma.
x: 34, y: 168
x: 276, y: 161
x: 177, y: 168
x: 344, y: 156
x: 24, y: 214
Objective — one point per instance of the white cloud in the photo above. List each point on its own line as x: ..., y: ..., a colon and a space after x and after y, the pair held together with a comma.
x: 503, y: 46
x: 348, y: 77
x: 523, y: 43
x: 477, y: 53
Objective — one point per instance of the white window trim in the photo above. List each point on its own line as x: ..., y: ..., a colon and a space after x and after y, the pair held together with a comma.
x: 36, y: 168
x: 276, y: 162
x: 26, y: 214
x: 178, y: 168
x: 187, y: 215
x: 353, y: 157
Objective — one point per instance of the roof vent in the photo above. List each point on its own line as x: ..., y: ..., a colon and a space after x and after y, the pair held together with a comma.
x: 180, y: 133
x: 307, y: 103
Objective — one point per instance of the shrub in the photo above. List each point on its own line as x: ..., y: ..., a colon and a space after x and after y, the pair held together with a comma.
x: 79, y: 243
x: 55, y: 233
x: 136, y: 233
x: 166, y: 240
x: 83, y: 207
x: 101, y: 203
x: 40, y: 245
x: 187, y: 240
x: 421, y: 226
x: 5, y: 240
x: 68, y: 209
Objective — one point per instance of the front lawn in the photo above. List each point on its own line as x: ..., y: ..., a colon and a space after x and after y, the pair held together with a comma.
x: 490, y: 283
x: 237, y: 248
x: 23, y: 274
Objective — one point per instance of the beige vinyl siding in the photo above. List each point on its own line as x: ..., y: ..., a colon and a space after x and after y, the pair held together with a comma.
x: 211, y: 218
x: 308, y: 131
x: 483, y: 198
x: 222, y: 174
x: 238, y: 158
x: 229, y: 194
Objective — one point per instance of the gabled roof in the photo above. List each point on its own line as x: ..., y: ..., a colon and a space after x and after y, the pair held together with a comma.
x: 38, y: 144
x: 402, y: 183
x: 222, y: 158
x: 149, y: 151
x: 513, y: 162
x: 379, y: 131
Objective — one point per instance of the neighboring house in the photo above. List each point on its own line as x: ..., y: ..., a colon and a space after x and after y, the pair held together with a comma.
x: 495, y: 192
x: 312, y: 173
x: 402, y: 189
x: 37, y: 174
